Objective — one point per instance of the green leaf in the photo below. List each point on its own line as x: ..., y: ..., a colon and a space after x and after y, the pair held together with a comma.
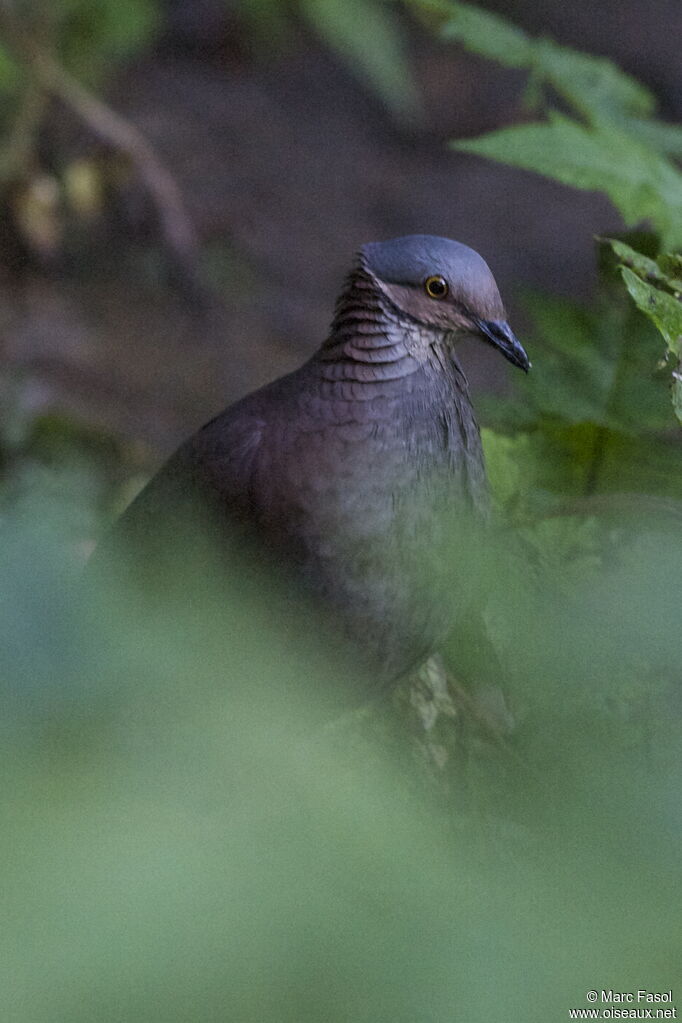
x: 663, y: 309
x: 665, y: 270
x: 130, y: 25
x: 642, y: 184
x: 644, y: 267
x: 508, y: 460
x: 96, y: 33
x: 677, y: 391
x: 368, y: 38
x: 554, y: 459
x: 267, y: 21
x: 10, y: 74
x: 666, y: 138
x: 593, y: 85
x: 641, y: 264
x: 645, y: 465
x: 670, y: 263
x: 488, y: 35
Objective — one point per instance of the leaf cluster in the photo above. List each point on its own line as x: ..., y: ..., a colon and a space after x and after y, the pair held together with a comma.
x: 656, y: 288
x: 599, y: 133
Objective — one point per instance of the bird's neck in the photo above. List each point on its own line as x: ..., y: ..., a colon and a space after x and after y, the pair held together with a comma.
x: 370, y: 341
x: 379, y: 366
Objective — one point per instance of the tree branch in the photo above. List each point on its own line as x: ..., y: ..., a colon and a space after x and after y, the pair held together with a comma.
x: 175, y: 223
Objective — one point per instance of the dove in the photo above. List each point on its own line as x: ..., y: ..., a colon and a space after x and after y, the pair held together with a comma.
x: 360, y: 473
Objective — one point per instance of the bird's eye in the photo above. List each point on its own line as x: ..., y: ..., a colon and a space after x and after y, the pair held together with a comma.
x: 436, y: 287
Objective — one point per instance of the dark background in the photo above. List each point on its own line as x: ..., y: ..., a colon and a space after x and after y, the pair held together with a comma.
x: 288, y: 162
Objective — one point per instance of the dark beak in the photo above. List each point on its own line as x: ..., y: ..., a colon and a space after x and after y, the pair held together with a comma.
x: 500, y: 334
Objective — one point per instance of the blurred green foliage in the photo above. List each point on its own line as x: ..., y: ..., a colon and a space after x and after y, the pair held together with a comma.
x: 87, y: 35
x: 183, y: 839
x: 367, y: 35
x: 640, y: 182
x: 93, y: 35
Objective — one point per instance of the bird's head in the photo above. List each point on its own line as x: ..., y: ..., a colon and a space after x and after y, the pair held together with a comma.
x: 445, y: 286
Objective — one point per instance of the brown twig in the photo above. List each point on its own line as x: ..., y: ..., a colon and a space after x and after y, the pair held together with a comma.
x: 21, y: 143
x: 175, y: 223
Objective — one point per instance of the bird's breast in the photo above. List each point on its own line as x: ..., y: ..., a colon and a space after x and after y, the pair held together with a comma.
x: 372, y: 472
x: 362, y: 497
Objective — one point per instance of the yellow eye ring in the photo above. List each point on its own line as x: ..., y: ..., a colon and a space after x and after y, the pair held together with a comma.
x: 436, y: 287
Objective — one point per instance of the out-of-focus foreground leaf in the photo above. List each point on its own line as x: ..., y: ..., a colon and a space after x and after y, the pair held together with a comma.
x: 656, y: 288
x: 184, y: 839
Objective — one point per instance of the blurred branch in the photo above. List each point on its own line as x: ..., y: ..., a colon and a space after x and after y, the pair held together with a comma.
x: 49, y: 77
x: 21, y: 144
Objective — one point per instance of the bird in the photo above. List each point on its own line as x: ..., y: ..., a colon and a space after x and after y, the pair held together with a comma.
x: 357, y: 474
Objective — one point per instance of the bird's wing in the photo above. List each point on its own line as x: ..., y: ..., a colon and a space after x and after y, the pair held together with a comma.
x: 219, y: 461
x: 207, y: 479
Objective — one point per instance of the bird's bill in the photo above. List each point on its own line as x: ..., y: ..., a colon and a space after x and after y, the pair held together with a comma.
x: 500, y: 334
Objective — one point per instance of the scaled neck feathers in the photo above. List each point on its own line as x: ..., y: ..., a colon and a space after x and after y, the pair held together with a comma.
x: 370, y: 339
